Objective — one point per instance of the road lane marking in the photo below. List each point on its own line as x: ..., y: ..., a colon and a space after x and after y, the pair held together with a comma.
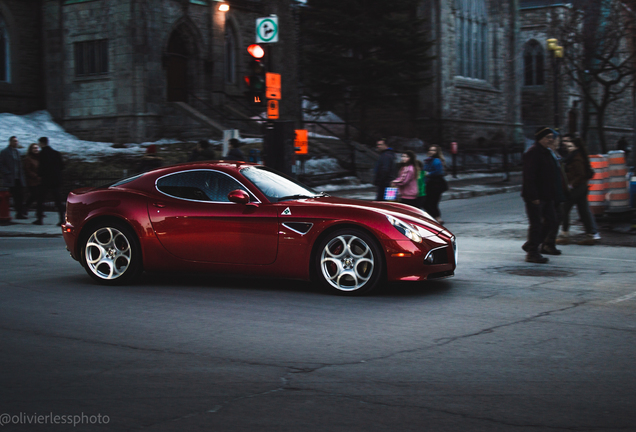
x: 624, y: 298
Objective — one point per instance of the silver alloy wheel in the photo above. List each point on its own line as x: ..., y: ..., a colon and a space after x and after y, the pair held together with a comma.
x: 108, y: 253
x: 347, y: 262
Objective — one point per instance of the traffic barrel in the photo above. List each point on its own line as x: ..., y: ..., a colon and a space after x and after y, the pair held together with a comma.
x: 597, y: 185
x: 617, y: 187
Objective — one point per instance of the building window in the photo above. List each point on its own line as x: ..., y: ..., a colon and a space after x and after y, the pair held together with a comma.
x: 533, y: 64
x: 230, y: 55
x: 472, y: 39
x: 5, y: 76
x: 91, y: 58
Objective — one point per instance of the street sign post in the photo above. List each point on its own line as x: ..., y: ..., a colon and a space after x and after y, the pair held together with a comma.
x: 267, y: 29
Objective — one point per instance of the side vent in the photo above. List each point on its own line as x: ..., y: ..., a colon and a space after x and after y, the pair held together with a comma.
x: 301, y: 228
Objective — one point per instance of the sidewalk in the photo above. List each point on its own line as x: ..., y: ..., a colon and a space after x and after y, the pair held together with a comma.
x: 464, y: 186
x: 25, y: 227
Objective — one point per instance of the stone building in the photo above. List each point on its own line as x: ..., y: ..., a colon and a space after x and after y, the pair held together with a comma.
x: 475, y: 97
x: 558, y: 102
x: 137, y: 70
x: 21, y: 57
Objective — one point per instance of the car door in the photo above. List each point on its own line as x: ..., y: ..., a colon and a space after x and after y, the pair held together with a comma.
x: 194, y: 220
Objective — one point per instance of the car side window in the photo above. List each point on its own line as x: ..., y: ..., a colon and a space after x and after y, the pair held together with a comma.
x: 199, y: 185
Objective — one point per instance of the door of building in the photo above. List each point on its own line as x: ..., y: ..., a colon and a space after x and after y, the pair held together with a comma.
x: 177, y: 69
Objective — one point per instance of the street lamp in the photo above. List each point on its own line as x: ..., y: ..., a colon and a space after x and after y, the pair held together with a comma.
x: 557, y: 55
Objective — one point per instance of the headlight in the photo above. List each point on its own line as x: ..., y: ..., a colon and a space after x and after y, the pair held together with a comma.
x: 407, y: 229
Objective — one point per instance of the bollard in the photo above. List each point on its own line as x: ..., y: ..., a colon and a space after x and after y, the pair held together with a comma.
x: 617, y: 186
x: 598, y: 184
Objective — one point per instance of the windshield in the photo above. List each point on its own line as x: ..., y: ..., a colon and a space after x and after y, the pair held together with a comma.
x: 276, y: 187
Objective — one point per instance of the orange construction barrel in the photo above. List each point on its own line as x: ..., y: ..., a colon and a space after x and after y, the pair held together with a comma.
x: 617, y: 186
x: 597, y: 186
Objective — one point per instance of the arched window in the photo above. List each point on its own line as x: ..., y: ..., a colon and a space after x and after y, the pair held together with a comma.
x: 533, y: 64
x: 472, y: 39
x: 230, y: 54
x: 5, y: 63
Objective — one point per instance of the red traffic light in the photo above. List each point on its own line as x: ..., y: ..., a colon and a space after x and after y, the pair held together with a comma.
x: 256, y: 51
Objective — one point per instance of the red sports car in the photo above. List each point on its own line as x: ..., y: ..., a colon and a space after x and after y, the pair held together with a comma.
x: 241, y: 218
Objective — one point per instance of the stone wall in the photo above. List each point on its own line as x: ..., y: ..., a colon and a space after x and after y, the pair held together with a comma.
x: 130, y: 103
x: 470, y: 111
x: 24, y: 91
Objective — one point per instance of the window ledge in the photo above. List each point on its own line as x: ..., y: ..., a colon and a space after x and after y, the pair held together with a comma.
x: 475, y: 84
x: 90, y: 78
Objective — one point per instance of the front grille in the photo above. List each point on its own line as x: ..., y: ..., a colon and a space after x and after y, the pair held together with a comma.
x: 437, y: 256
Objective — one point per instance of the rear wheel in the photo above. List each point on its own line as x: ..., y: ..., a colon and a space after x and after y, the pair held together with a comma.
x: 111, y: 253
x: 349, y: 262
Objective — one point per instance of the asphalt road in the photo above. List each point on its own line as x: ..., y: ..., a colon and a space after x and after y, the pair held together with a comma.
x: 503, y: 346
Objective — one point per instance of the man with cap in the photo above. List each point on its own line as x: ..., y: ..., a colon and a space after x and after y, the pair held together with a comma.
x: 539, y: 193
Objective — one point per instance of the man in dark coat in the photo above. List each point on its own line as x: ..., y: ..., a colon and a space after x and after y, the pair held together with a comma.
x: 384, y: 168
x: 235, y: 153
x: 539, y: 193
x: 202, y: 152
x: 13, y: 175
x: 50, y: 171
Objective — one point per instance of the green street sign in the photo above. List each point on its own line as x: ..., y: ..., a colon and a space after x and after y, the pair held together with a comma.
x: 267, y: 29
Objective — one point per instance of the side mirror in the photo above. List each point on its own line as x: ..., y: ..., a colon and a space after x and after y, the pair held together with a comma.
x: 239, y: 196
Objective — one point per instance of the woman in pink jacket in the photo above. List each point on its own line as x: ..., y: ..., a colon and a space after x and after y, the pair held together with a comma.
x: 406, y: 182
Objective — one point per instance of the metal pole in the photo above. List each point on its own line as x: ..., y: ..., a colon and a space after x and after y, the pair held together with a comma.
x: 555, y: 66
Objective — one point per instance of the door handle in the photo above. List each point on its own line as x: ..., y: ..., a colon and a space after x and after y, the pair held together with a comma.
x: 159, y: 204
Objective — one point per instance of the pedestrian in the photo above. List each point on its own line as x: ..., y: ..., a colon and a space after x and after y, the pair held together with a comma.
x: 421, y: 185
x: 579, y: 171
x: 384, y: 168
x: 622, y: 144
x: 235, y: 153
x: 561, y: 196
x: 539, y: 193
x: 406, y: 181
x: 150, y: 160
x: 50, y: 172
x: 13, y: 175
x: 33, y: 180
x: 436, y: 184
x: 202, y: 152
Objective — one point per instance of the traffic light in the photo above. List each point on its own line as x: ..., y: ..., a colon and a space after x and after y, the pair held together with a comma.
x: 256, y: 79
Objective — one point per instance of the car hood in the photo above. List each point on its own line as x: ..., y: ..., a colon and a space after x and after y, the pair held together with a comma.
x: 404, y: 212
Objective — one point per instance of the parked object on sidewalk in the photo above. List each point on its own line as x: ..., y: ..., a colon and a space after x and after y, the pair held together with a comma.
x: 632, y: 191
x: 246, y: 219
x: 618, y: 186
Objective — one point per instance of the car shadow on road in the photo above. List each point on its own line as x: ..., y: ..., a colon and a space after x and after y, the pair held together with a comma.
x: 414, y: 289
x: 238, y: 283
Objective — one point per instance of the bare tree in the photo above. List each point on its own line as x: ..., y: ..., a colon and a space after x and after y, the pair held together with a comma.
x: 599, y: 55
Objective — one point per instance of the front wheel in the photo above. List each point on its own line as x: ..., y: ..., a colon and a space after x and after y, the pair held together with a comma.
x: 111, y: 253
x: 349, y: 262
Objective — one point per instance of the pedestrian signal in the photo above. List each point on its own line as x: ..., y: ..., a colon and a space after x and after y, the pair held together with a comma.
x: 272, y: 109
x: 301, y: 143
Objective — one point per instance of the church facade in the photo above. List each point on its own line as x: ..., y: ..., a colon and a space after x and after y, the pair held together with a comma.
x: 475, y: 97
